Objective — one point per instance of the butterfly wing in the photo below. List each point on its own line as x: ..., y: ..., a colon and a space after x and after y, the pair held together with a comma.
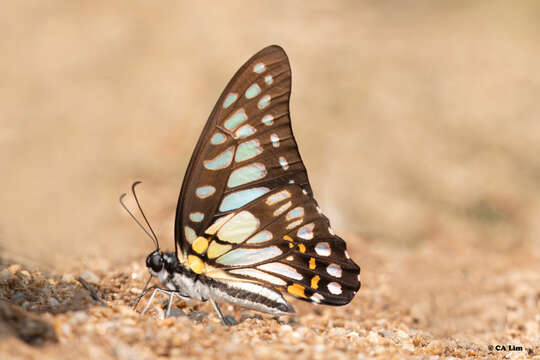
x: 246, y: 210
x: 283, y: 240
x: 245, y: 147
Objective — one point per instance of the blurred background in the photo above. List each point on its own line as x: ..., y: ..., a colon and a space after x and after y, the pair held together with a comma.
x: 418, y: 121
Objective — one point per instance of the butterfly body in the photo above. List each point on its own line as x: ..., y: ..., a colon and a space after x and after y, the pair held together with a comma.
x: 188, y: 285
x: 247, y: 225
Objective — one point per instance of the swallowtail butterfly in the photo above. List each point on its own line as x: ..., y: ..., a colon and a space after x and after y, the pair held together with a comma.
x: 247, y: 226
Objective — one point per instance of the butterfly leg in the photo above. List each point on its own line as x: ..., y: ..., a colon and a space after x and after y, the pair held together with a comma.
x: 169, y: 305
x: 149, y: 301
x: 225, y: 320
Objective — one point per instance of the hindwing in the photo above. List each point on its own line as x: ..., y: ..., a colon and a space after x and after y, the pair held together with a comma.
x: 282, y: 239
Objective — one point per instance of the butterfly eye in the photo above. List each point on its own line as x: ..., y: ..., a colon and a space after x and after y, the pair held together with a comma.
x: 155, y: 262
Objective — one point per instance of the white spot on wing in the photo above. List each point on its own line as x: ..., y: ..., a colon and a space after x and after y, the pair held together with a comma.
x: 294, y: 213
x: 334, y: 288
x: 259, y: 68
x: 267, y: 120
x: 196, y: 216
x: 283, y: 162
x: 281, y: 269
x: 294, y: 224
x: 306, y: 231
x: 264, y: 102
x: 334, y: 270
x: 323, y: 249
x: 275, y: 140
x: 277, y: 197
x: 205, y: 191
x: 282, y: 208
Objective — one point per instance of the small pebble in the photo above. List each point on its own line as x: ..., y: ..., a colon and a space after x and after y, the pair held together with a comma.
x: 53, y: 302
x: 5, y: 275
x: 90, y: 277
x: 373, y: 337
x: 246, y: 315
x: 18, y: 298
x: 177, y: 312
x: 13, y: 269
x: 197, y: 316
x: 68, y: 278
x: 230, y: 320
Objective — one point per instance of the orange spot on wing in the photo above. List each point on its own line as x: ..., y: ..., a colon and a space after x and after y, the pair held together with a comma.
x: 315, y: 281
x: 296, y: 290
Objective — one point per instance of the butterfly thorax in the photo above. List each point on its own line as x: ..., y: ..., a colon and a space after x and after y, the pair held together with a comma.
x: 172, y: 274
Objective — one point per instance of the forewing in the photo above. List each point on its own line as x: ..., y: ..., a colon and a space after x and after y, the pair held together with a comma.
x: 246, y: 149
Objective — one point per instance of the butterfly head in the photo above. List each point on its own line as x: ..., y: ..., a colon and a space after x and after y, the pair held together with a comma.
x: 157, y: 261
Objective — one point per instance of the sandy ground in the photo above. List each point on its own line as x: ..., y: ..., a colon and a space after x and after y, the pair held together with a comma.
x: 434, y: 302
x: 417, y: 122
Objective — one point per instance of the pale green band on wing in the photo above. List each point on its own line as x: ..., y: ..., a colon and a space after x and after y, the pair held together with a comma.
x: 242, y: 257
x: 248, y: 150
x: 245, y: 131
x: 268, y: 79
x: 236, y: 119
x: 247, y: 174
x: 267, y: 120
x: 260, y: 237
x: 259, y: 68
x: 264, y: 102
x: 253, y: 91
x: 240, y: 198
x: 205, y: 191
x: 221, y: 161
x: 190, y: 234
x: 239, y: 228
x: 218, y: 138
x: 196, y: 216
x: 229, y: 100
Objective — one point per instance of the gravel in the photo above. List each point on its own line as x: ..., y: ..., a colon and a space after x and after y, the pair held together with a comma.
x: 410, y: 305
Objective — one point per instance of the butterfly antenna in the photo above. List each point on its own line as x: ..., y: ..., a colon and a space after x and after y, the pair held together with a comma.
x: 137, y: 221
x: 142, y: 212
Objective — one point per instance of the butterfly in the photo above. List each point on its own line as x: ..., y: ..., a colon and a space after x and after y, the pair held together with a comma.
x: 247, y: 227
